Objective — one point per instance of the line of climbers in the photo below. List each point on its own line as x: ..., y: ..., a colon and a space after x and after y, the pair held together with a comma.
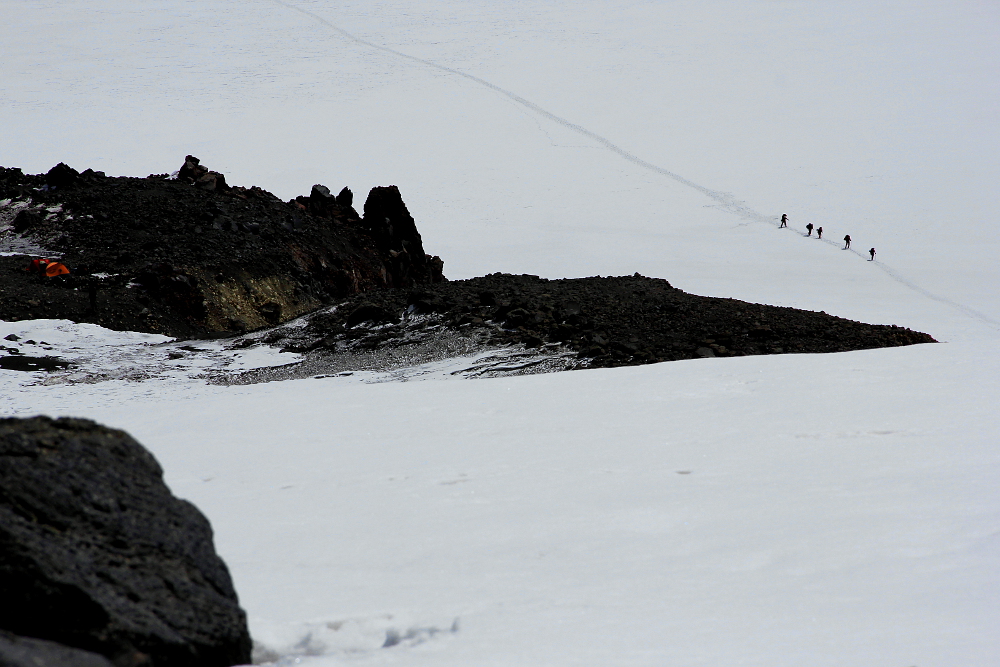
x: 819, y: 234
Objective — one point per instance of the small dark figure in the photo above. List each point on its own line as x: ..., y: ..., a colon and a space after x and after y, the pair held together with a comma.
x: 819, y: 232
x: 784, y: 220
x: 847, y: 241
x: 92, y: 294
x: 810, y: 228
x: 872, y: 253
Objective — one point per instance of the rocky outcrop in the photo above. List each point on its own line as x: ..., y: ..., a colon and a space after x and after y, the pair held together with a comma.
x: 62, y: 176
x: 395, y: 233
x: 605, y: 321
x: 192, y: 255
x: 97, y: 554
x: 194, y: 173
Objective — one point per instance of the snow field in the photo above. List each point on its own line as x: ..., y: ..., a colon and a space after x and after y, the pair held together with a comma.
x: 812, y: 509
x: 785, y: 510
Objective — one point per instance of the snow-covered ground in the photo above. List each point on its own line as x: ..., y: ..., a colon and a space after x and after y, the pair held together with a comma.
x: 785, y: 510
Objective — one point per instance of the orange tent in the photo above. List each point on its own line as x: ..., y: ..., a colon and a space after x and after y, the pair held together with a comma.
x: 55, y: 269
x: 38, y: 265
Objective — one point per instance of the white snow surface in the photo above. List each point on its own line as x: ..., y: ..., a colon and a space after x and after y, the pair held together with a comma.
x: 790, y: 510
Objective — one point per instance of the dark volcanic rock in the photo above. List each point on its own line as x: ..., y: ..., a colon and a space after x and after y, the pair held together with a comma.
x: 62, y: 176
x: 194, y: 173
x: 395, y: 233
x: 27, y: 652
x: 27, y: 219
x: 21, y: 362
x: 193, y: 256
x: 95, y: 552
x: 609, y: 321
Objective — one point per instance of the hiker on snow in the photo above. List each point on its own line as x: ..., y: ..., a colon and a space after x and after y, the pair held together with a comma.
x: 819, y: 232
x: 810, y: 228
x: 872, y: 253
x: 784, y: 220
x: 847, y: 241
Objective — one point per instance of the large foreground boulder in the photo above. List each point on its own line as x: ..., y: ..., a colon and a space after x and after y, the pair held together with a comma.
x: 97, y: 554
x: 27, y: 652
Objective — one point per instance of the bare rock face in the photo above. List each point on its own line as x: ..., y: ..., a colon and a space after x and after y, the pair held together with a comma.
x: 192, y: 255
x: 389, y: 222
x: 97, y: 554
x: 346, y: 198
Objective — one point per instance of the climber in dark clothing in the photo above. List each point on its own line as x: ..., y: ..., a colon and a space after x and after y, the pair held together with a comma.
x: 872, y: 253
x: 784, y: 220
x: 810, y: 228
x: 819, y: 232
x: 847, y: 241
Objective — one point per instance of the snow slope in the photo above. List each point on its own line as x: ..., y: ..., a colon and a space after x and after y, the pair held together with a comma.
x: 786, y: 510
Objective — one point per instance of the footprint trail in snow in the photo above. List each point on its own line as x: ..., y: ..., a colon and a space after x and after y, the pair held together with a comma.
x: 726, y: 201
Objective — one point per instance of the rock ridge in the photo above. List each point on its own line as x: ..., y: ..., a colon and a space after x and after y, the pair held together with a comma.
x: 569, y: 323
x: 192, y: 255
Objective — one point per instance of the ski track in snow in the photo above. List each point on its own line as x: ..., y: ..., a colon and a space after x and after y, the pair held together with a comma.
x: 892, y: 273
x: 727, y: 201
